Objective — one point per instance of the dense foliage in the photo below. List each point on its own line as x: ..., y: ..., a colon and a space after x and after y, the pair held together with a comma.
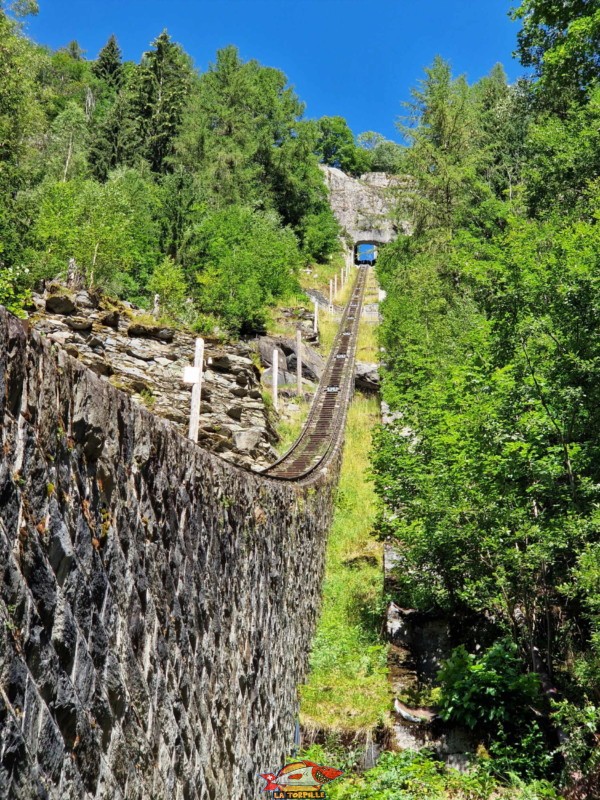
x: 420, y: 776
x: 122, y: 165
x: 490, y: 475
x: 142, y: 171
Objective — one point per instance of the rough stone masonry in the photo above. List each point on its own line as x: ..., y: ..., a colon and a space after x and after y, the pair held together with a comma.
x: 156, y: 603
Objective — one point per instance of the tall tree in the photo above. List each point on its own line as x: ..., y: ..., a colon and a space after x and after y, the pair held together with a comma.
x: 161, y: 88
x: 336, y: 146
x: 561, y: 41
x: 66, y: 151
x: 504, y: 115
x: 19, y: 118
x: 444, y: 157
x: 241, y: 116
x: 109, y: 64
x: 115, y: 139
x: 182, y: 206
x: 74, y: 51
x: 244, y: 137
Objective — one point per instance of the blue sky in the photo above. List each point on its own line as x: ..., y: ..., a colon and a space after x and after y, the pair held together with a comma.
x: 355, y: 58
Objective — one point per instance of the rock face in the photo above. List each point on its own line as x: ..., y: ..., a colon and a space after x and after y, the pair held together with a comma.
x: 60, y: 304
x: 313, y: 363
x: 362, y: 205
x: 147, y: 361
x: 154, y: 624
x: 367, y: 377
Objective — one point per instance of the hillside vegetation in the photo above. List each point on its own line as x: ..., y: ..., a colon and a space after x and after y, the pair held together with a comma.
x: 160, y: 180
x: 490, y: 477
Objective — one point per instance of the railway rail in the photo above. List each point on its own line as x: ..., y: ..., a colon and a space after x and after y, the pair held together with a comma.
x: 327, y: 415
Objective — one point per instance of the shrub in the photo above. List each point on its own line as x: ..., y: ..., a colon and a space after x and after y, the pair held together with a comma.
x: 491, y: 695
x: 244, y: 260
x: 168, y: 282
x: 420, y: 776
x: 14, y: 294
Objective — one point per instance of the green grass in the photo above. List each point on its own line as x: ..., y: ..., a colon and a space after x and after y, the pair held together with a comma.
x: 419, y: 776
x: 328, y: 327
x: 289, y: 427
x: 368, y: 347
x: 321, y: 274
x: 279, y: 325
x: 348, y: 688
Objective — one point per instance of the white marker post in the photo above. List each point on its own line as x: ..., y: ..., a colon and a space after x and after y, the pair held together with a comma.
x: 335, y: 285
x: 342, y: 278
x: 275, y: 369
x: 193, y: 375
x: 330, y: 295
x: 316, y: 317
x: 299, y: 359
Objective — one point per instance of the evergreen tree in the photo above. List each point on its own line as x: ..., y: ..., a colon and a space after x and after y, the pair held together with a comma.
x: 161, y: 88
x: 444, y: 158
x: 109, y: 66
x: 115, y: 139
x: 240, y: 117
x: 244, y: 137
x: 74, y: 51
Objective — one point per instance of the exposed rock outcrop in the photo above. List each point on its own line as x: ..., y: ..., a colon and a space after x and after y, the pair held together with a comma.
x: 419, y: 643
x: 313, y: 362
x: 367, y: 377
x: 147, y: 361
x: 366, y: 374
x: 363, y: 206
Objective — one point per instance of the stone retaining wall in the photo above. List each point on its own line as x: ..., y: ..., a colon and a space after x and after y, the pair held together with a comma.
x: 156, y: 604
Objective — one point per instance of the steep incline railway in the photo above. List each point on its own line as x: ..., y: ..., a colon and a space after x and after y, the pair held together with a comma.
x: 327, y: 415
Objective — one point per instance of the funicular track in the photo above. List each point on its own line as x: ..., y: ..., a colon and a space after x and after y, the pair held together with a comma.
x: 327, y: 415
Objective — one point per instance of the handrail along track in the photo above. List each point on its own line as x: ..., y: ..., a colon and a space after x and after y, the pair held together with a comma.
x: 327, y: 413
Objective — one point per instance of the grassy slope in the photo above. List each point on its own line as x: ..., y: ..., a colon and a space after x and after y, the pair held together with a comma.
x: 347, y: 689
x: 289, y: 428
